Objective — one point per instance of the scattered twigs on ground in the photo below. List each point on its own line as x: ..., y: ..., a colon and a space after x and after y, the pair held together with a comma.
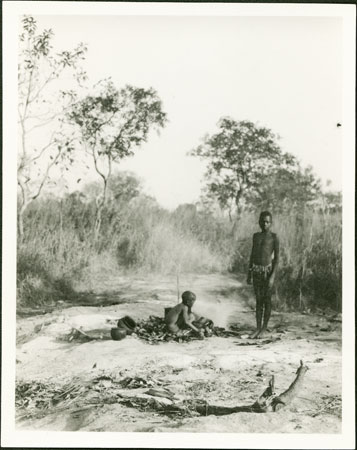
x: 32, y: 398
x: 257, y: 342
x: 38, y: 399
x: 332, y: 405
x: 165, y: 393
x: 78, y: 335
x: 138, y: 382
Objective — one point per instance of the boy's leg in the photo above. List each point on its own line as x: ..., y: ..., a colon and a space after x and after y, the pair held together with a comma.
x: 173, y: 328
x: 259, y: 303
x: 259, y: 311
x: 267, y: 310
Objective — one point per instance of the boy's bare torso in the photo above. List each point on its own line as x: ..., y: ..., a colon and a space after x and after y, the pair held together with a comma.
x: 174, y: 313
x: 175, y: 318
x: 264, y: 245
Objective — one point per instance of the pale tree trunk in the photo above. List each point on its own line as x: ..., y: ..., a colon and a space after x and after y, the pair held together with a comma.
x: 235, y: 228
x: 99, y: 211
x: 102, y: 201
x: 20, y: 211
x: 20, y: 223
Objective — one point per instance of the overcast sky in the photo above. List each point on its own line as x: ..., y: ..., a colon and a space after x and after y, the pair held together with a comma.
x: 284, y: 73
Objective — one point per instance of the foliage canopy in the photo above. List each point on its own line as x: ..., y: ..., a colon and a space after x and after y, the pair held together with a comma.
x: 113, y: 123
x: 42, y: 104
x: 246, y: 167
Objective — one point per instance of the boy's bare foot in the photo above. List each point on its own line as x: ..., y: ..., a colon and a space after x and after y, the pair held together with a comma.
x: 201, y: 334
x: 182, y: 333
x: 263, y: 333
x: 208, y: 332
x: 255, y: 334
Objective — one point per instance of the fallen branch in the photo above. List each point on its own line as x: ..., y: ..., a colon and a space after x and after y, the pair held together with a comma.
x: 268, y: 401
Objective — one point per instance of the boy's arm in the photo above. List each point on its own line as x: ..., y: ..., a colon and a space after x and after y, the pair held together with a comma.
x: 187, y: 319
x: 275, y: 260
x: 249, y: 276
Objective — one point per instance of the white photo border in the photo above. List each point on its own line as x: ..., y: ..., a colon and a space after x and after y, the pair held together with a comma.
x: 15, y: 438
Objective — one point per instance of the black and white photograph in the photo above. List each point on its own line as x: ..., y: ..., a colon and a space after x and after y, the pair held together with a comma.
x: 178, y: 225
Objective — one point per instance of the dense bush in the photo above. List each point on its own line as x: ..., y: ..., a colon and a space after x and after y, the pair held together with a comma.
x: 36, y: 284
x: 59, y: 252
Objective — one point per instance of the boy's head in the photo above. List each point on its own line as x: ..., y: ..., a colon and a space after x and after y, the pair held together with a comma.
x: 188, y: 298
x: 265, y: 220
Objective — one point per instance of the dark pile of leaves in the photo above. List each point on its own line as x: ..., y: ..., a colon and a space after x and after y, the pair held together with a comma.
x: 35, y: 396
x: 153, y: 330
x: 37, y: 399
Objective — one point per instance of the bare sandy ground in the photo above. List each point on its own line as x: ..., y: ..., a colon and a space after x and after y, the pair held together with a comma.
x: 222, y: 370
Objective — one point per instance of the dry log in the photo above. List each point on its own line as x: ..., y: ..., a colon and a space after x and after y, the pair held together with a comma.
x: 268, y: 401
x: 287, y: 396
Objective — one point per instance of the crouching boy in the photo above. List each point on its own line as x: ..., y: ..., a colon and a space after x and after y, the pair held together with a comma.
x: 181, y: 316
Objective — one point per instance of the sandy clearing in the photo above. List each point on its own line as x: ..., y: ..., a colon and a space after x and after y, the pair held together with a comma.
x: 220, y: 370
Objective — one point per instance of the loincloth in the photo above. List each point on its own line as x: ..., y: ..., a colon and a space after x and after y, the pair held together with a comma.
x: 262, y: 271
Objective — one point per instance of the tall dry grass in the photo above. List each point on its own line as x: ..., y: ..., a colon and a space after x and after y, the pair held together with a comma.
x: 59, y: 253
x: 50, y: 257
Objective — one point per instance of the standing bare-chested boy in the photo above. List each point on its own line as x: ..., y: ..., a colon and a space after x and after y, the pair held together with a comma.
x: 263, y: 264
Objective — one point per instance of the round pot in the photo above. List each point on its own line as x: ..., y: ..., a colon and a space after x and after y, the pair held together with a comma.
x: 117, y: 334
x: 128, y: 324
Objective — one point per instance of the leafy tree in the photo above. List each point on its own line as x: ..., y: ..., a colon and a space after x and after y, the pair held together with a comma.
x: 44, y: 141
x: 113, y: 123
x: 287, y: 188
x: 245, y: 164
x: 238, y: 156
x: 124, y: 186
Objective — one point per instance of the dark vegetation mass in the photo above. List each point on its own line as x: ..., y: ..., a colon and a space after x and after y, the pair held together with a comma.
x: 59, y: 251
x: 112, y: 226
